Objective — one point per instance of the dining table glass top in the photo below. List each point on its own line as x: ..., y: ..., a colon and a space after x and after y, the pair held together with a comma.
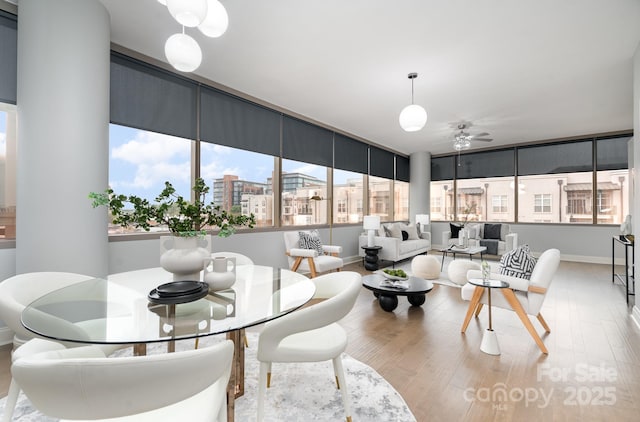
x: 117, y: 310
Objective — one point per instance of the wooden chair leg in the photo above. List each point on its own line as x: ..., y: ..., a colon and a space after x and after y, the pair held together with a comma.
x: 543, y: 323
x: 312, y: 267
x: 517, y: 307
x: 475, y: 300
x: 296, y: 264
x: 478, y: 309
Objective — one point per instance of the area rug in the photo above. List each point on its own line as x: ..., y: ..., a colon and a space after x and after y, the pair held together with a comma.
x: 443, y: 279
x: 299, y: 392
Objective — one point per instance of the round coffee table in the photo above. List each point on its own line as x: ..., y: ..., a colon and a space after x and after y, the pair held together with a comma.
x: 388, y: 295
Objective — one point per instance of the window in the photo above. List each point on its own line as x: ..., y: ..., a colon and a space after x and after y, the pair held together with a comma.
x: 141, y: 161
x: 401, y: 200
x: 542, y: 203
x: 442, y: 200
x: 499, y: 204
x: 243, y: 188
x: 8, y: 160
x: 300, y: 182
x: 436, y: 207
x: 380, y: 198
x: 347, y: 195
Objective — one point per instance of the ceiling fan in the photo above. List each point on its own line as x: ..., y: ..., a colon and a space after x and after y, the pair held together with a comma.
x: 462, y: 140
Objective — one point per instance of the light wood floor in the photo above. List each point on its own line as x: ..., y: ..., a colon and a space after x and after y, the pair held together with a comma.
x: 594, y: 354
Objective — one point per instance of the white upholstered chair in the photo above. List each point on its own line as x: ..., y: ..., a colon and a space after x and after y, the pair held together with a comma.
x: 82, y: 384
x: 524, y: 297
x: 309, y: 260
x: 311, y: 334
x: 15, y: 294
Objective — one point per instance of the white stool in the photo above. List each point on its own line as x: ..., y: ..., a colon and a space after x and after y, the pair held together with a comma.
x: 425, y: 266
x: 457, y: 270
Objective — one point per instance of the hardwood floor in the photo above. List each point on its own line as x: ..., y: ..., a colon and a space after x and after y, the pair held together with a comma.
x: 592, y: 372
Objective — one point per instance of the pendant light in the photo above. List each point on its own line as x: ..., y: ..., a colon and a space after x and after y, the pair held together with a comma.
x: 183, y: 52
x: 413, y: 117
x: 217, y: 20
x: 188, y: 13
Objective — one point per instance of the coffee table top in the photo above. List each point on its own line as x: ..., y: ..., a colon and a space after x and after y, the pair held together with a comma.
x: 417, y: 285
x: 472, y: 250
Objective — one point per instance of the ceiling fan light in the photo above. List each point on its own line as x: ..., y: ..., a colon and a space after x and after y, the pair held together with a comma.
x: 217, y: 20
x: 412, y: 118
x: 183, y: 52
x: 188, y: 13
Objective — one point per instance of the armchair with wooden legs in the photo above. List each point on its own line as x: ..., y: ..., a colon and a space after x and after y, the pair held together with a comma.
x: 524, y: 297
x: 309, y: 260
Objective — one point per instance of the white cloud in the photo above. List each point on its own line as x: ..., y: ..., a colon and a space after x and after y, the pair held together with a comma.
x: 305, y: 169
x: 148, y: 176
x: 151, y: 148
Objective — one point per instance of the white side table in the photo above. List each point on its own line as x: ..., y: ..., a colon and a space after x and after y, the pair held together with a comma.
x: 489, y: 343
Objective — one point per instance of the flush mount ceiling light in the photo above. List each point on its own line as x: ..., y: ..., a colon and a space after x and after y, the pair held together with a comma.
x: 461, y: 143
x: 183, y: 52
x: 413, y: 117
x: 210, y: 16
x: 188, y: 12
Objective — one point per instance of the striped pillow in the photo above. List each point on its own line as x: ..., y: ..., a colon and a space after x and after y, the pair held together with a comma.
x: 310, y: 241
x: 518, y: 263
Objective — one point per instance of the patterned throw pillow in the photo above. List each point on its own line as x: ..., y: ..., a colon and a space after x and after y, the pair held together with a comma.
x: 518, y: 263
x: 310, y: 241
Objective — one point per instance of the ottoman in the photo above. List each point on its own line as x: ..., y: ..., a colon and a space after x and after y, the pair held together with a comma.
x: 425, y: 266
x: 457, y: 270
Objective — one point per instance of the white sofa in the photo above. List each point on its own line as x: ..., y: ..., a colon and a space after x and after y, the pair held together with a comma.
x: 507, y: 242
x: 394, y: 248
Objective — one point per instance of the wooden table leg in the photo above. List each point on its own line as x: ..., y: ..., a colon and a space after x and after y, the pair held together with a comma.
x: 475, y: 300
x: 235, y: 388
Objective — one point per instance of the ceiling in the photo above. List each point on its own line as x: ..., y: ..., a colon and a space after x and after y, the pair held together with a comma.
x: 523, y: 71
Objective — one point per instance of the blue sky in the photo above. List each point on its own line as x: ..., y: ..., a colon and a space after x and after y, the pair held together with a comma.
x: 3, y: 134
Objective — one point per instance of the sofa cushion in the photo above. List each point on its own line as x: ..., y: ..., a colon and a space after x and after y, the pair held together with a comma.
x: 455, y: 230
x: 393, y: 230
x: 518, y: 262
x: 412, y: 231
x: 405, y: 235
x: 310, y: 240
x: 492, y: 231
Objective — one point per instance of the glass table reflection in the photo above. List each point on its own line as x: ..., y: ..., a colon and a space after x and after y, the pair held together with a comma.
x: 117, y: 311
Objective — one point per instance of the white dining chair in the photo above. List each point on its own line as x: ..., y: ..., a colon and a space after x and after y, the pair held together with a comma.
x: 82, y: 384
x: 311, y: 334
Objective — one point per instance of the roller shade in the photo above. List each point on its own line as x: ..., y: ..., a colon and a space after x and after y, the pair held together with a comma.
x: 8, y: 57
x: 149, y: 98
x: 381, y: 163
x: 486, y: 164
x: 350, y: 154
x: 442, y: 168
x: 612, y: 153
x: 231, y: 121
x: 302, y: 141
x: 568, y: 157
x: 402, y: 168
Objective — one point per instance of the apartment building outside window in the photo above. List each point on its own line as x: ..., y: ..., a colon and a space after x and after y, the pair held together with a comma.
x: 542, y: 203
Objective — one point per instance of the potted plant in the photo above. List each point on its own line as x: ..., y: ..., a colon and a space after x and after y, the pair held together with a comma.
x: 187, y: 221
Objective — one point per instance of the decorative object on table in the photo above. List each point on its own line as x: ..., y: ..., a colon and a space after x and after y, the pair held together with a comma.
x: 178, y: 292
x: 220, y: 277
x: 425, y: 266
x: 486, y: 270
x: 391, y: 274
x: 371, y: 223
x: 182, y: 218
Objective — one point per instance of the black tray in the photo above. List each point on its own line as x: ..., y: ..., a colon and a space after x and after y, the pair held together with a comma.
x: 178, y: 288
x: 155, y: 297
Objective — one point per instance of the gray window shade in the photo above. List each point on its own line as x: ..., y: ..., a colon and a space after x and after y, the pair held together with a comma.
x: 381, y: 163
x: 442, y: 168
x: 612, y: 153
x: 149, y: 98
x: 350, y: 155
x: 231, y: 121
x: 555, y: 158
x: 8, y: 57
x: 402, y: 168
x: 486, y: 164
x: 305, y: 142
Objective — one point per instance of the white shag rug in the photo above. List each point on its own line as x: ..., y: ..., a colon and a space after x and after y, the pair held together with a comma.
x: 298, y: 392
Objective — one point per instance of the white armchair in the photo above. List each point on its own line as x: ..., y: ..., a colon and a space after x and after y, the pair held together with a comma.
x: 82, y: 384
x: 311, y: 334
x: 309, y: 260
x: 524, y: 297
x: 508, y: 241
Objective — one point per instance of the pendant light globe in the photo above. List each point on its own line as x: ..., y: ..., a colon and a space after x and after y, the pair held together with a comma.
x: 183, y: 52
x: 217, y: 20
x: 188, y: 13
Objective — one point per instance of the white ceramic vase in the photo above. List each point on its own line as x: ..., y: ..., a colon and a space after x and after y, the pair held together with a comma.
x: 219, y: 277
x: 184, y: 259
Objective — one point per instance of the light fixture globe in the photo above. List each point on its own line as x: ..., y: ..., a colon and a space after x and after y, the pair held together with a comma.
x: 188, y: 12
x: 412, y: 118
x: 183, y: 52
x: 217, y: 20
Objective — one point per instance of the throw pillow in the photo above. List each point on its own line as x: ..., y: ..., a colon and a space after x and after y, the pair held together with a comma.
x: 394, y: 231
x: 412, y: 231
x: 455, y: 230
x: 492, y: 231
x: 518, y: 263
x: 405, y: 235
x: 310, y: 241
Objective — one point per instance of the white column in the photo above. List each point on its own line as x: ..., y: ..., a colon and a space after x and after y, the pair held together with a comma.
x: 420, y: 183
x: 63, y: 135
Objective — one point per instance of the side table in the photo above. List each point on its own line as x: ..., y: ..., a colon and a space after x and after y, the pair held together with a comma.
x: 371, y: 257
x: 489, y: 343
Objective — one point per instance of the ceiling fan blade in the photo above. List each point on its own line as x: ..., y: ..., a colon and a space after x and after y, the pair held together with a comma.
x: 482, y: 139
x: 479, y: 135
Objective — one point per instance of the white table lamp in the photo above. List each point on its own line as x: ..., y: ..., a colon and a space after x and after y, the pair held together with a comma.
x: 423, y: 220
x: 371, y: 223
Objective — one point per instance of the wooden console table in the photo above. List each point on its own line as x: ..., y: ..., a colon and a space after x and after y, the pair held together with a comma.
x: 628, y: 277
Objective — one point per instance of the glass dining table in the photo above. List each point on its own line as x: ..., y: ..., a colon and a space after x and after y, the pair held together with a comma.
x: 121, y: 310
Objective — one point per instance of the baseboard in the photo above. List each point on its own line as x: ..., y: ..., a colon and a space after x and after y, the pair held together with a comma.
x: 635, y: 315
x: 6, y: 336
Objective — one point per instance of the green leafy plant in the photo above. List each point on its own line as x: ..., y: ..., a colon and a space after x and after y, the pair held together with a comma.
x: 183, y: 218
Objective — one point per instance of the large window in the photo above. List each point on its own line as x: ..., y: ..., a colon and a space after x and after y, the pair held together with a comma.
x: 304, y: 194
x: 8, y: 151
x: 347, y: 195
x: 380, y: 198
x: 401, y: 200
